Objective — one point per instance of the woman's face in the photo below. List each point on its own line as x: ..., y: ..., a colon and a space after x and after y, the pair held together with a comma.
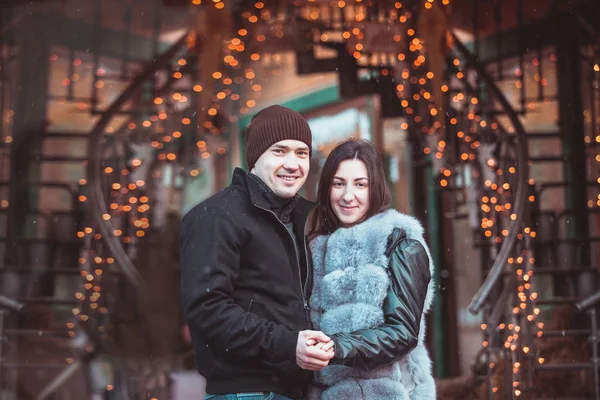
x: 349, y: 194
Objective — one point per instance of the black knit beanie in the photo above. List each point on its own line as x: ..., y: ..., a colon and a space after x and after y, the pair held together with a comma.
x: 271, y: 125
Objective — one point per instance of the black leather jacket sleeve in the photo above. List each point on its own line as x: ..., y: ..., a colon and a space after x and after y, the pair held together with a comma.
x: 403, y: 307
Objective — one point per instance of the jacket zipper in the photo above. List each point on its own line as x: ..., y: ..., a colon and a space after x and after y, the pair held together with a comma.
x: 297, y: 253
x: 306, y: 307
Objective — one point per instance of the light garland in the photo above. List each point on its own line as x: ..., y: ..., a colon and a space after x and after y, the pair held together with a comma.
x: 129, y: 212
x: 130, y: 203
x: 595, y: 136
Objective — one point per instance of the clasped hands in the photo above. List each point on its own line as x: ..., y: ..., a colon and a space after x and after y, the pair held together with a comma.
x: 314, y: 350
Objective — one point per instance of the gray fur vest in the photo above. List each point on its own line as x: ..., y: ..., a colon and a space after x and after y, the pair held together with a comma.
x: 350, y: 285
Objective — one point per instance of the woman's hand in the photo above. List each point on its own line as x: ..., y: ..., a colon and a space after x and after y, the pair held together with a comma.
x: 309, y: 356
x: 323, y: 345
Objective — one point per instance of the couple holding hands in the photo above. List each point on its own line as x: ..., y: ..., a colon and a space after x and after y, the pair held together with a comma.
x: 287, y: 299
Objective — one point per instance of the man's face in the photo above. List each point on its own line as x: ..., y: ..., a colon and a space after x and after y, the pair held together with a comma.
x: 284, y: 167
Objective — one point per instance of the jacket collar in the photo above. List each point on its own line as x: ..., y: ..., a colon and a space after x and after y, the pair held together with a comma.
x: 263, y: 197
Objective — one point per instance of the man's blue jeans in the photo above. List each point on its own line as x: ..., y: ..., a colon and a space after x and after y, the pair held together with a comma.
x: 247, y: 396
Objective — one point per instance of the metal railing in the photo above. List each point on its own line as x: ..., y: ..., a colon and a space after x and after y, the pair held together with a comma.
x: 514, y: 229
x: 94, y: 170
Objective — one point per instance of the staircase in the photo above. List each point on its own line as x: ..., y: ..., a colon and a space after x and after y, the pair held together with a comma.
x: 537, y: 241
x: 74, y: 258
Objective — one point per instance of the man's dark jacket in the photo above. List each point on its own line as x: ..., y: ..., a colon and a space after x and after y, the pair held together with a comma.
x: 244, y: 286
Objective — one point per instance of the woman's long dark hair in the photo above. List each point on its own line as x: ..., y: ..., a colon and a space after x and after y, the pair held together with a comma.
x: 324, y: 221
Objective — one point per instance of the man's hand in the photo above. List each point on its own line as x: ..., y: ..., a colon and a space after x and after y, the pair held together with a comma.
x: 311, y: 357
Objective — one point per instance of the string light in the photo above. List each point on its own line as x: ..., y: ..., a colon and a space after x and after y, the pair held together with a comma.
x: 92, y: 262
x: 421, y: 106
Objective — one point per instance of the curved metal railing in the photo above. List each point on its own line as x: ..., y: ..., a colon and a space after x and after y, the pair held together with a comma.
x: 98, y: 206
x: 514, y: 228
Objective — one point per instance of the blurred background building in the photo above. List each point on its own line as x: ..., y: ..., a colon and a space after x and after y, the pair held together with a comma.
x: 118, y: 116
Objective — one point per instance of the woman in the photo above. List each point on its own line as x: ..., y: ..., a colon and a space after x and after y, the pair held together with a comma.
x: 372, y: 284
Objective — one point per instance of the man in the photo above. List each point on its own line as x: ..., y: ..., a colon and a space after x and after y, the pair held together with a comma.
x: 245, y: 276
